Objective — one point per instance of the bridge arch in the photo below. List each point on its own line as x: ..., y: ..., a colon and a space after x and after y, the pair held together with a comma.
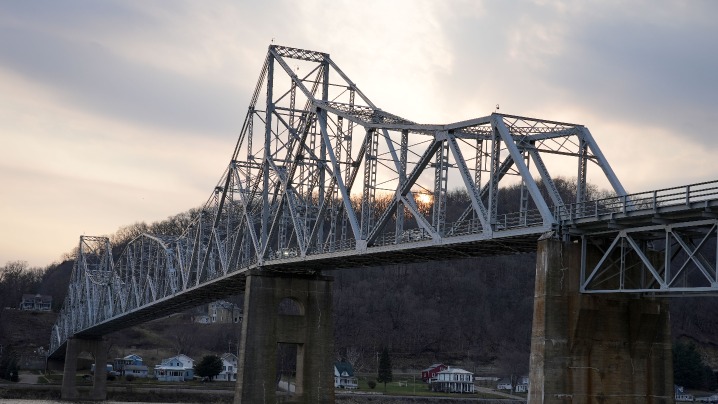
x: 290, y: 306
x: 146, y: 271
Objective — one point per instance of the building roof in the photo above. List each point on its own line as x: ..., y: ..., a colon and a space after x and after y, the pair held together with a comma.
x: 181, y: 357
x: 229, y: 357
x: 434, y: 366
x: 344, y: 367
x: 455, y: 370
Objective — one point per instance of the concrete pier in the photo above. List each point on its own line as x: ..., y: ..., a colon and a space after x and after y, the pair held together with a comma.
x: 265, y: 326
x: 98, y: 349
x: 595, y: 348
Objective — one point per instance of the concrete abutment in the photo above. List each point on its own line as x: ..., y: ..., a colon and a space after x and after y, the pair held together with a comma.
x: 265, y: 326
x: 607, y: 348
x: 98, y: 349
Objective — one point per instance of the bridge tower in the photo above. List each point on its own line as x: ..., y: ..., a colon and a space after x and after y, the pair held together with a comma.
x: 594, y: 348
x: 98, y: 349
x: 268, y: 322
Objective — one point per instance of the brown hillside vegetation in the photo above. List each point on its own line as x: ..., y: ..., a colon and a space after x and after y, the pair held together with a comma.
x: 25, y: 330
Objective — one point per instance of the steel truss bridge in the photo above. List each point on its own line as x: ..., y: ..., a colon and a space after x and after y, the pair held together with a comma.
x: 321, y: 178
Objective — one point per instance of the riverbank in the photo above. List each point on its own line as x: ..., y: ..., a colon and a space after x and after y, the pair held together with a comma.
x: 184, y: 395
x: 149, y: 395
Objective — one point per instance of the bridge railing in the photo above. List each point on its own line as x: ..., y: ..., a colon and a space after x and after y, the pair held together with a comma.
x: 506, y: 221
x: 686, y: 195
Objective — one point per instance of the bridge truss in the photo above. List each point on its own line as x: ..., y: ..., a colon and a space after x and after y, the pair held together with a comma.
x: 320, y: 178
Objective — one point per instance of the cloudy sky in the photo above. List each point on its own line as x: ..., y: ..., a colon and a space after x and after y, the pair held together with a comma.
x: 115, y: 112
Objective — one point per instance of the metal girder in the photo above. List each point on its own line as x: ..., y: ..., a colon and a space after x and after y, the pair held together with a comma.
x: 403, y: 191
x: 678, y: 258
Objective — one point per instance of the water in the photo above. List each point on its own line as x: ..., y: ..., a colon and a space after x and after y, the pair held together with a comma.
x: 21, y: 401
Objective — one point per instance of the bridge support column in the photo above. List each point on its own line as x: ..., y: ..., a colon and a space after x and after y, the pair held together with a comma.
x: 265, y: 326
x: 595, y: 348
x: 98, y: 349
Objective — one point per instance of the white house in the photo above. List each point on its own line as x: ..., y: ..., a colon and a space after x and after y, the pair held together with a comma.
x: 36, y: 302
x: 453, y: 380
x: 681, y: 395
x: 229, y: 367
x: 522, y: 385
x: 504, y: 384
x: 175, y: 369
x: 344, y: 376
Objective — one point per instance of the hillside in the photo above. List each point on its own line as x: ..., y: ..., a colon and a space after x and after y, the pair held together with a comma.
x: 474, y: 313
x: 25, y: 330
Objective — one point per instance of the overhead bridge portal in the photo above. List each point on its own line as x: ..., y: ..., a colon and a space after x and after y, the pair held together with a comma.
x: 321, y: 179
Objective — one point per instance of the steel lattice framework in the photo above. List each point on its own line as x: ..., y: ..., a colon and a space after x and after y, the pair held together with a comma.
x: 321, y: 178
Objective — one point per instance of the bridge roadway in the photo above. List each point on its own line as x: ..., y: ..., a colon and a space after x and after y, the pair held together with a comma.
x: 601, y: 218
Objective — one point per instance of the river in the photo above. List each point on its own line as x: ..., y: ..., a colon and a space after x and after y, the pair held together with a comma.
x: 20, y: 401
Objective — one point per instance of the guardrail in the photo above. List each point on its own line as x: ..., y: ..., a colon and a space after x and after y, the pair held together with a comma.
x: 644, y: 201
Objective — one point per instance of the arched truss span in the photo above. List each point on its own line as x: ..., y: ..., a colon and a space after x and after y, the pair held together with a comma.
x: 320, y: 177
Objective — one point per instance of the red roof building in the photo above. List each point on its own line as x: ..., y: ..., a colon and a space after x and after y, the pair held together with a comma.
x: 431, y: 372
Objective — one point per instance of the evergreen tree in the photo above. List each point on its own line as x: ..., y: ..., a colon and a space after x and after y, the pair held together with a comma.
x: 688, y: 368
x: 9, y: 368
x: 210, y: 366
x: 384, y: 375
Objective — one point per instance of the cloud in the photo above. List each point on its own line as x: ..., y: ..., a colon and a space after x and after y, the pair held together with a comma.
x: 90, y: 75
x: 640, y: 68
x: 652, y: 64
x: 107, y: 103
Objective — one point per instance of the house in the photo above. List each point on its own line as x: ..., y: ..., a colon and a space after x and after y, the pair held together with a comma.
x: 681, y: 395
x: 453, y: 380
x: 522, y: 385
x: 344, y: 376
x: 36, y: 302
x: 229, y: 367
x: 504, y: 384
x: 219, y: 312
x: 136, y: 371
x: 131, y: 359
x: 430, y: 372
x: 175, y: 369
x: 224, y: 312
x: 131, y: 365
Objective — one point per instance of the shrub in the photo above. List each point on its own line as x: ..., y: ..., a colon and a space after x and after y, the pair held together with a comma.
x: 130, y: 378
x: 371, y: 384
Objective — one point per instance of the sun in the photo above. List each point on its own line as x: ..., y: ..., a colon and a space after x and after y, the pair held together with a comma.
x: 425, y: 198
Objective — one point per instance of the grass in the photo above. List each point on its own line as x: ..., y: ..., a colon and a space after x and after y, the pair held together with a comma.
x: 411, y: 387
x: 82, y: 379
x: 401, y: 386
